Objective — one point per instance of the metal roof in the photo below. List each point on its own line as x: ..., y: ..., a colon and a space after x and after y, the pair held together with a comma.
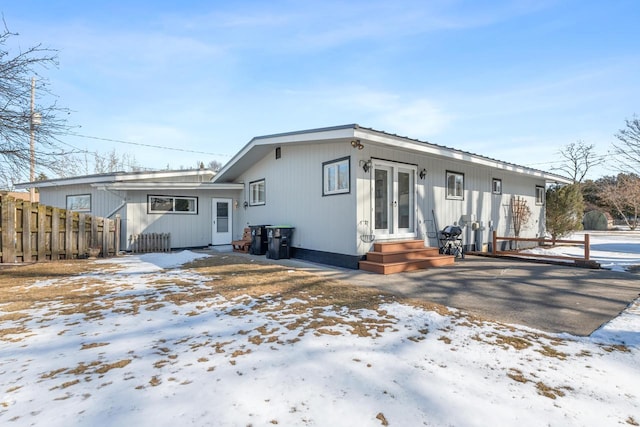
x: 259, y: 146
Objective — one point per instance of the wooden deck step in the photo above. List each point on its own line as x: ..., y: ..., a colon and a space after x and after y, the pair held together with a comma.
x: 403, y: 245
x: 410, y: 265
x: 405, y: 255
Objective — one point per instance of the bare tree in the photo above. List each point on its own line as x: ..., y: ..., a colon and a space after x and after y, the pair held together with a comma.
x: 17, y: 69
x: 578, y: 159
x: 622, y: 194
x: 627, y: 149
x: 114, y: 162
x: 214, y: 165
x: 520, y: 214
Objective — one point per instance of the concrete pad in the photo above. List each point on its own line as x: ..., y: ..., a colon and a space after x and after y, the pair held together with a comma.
x: 551, y: 298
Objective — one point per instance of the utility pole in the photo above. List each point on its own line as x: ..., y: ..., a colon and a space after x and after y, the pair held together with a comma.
x: 34, y: 119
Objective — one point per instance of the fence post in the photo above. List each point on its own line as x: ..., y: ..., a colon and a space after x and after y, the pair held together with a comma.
x: 68, y: 235
x: 8, y: 230
x: 587, y: 247
x: 82, y: 235
x: 116, y: 235
x: 494, y: 240
x: 55, y: 234
x: 26, y: 231
x: 105, y: 237
x: 41, y: 250
x: 94, y: 232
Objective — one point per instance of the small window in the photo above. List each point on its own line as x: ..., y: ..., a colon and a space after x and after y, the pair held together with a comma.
x: 257, y: 193
x: 496, y: 186
x: 79, y: 203
x: 172, y: 204
x: 455, y: 185
x: 336, y: 176
x: 539, y: 195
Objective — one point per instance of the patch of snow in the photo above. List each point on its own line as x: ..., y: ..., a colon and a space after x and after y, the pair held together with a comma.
x: 140, y: 357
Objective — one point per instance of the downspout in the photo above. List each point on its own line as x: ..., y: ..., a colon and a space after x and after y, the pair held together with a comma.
x: 123, y: 202
x: 117, y: 208
x: 120, y: 206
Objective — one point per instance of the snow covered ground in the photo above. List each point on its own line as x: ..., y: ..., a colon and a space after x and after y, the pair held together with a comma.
x: 141, y: 352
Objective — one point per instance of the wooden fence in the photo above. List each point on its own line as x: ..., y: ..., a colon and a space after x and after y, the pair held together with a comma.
x: 585, y: 242
x: 150, y: 242
x: 33, y: 232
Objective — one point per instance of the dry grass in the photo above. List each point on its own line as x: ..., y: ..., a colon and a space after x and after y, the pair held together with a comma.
x: 295, y: 299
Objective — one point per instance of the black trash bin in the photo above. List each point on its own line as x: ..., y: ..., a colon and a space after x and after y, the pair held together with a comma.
x: 279, y: 241
x: 259, y: 240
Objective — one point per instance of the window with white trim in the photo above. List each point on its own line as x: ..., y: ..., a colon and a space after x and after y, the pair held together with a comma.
x: 173, y: 204
x: 540, y: 195
x: 496, y: 186
x: 257, y: 195
x: 455, y: 185
x: 336, y: 176
x: 79, y: 203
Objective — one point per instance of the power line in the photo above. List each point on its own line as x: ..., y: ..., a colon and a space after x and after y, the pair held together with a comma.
x: 597, y: 158
x: 184, y: 150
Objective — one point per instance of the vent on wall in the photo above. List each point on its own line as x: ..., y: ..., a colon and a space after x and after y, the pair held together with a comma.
x: 278, y: 153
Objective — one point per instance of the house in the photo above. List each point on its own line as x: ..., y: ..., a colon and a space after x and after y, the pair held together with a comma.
x: 184, y: 203
x: 341, y: 187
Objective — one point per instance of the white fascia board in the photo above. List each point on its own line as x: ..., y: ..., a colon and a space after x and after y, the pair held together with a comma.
x: 168, y: 186
x: 134, y: 176
x: 262, y: 144
x: 81, y: 180
x: 449, y: 153
x: 316, y: 135
x: 115, y: 177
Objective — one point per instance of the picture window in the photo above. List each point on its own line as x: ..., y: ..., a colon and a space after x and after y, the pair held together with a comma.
x: 79, y: 203
x: 172, y: 204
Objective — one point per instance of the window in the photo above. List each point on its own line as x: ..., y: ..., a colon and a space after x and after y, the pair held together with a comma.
x: 257, y: 193
x: 172, y: 204
x: 496, y: 186
x: 335, y: 176
x: 455, y: 185
x: 79, y: 203
x: 539, y: 195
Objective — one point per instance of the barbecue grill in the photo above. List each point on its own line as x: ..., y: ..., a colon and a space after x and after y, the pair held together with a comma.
x: 451, y: 241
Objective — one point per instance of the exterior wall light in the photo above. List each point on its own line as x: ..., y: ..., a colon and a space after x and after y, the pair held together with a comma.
x: 357, y: 144
x: 423, y: 173
x: 366, y: 165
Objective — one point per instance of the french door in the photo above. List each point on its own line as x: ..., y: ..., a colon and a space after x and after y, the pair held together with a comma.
x: 221, y: 221
x: 393, y: 194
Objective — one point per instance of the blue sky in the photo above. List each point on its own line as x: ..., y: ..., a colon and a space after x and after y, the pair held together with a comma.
x: 512, y: 80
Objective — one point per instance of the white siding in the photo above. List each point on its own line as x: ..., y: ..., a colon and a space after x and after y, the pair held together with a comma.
x: 187, y: 230
x: 479, y: 204
x: 102, y: 202
x: 294, y: 197
x: 341, y: 223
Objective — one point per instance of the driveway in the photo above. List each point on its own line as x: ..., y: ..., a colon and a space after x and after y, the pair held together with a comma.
x: 551, y: 298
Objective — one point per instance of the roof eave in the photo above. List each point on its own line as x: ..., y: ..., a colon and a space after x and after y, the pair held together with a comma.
x: 159, y: 186
x: 115, y: 177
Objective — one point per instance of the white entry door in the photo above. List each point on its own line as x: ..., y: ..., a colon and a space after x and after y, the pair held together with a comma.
x: 393, y: 196
x: 222, y: 225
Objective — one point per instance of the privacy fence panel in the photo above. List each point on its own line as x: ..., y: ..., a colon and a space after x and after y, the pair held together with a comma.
x: 32, y: 232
